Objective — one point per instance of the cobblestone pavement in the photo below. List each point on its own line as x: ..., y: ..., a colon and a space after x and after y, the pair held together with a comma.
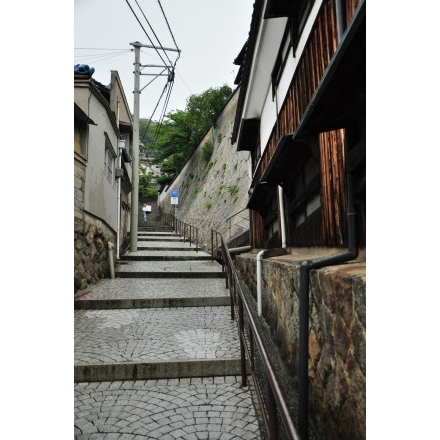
x: 156, y: 334
x: 166, y: 409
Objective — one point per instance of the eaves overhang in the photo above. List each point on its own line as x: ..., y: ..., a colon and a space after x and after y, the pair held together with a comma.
x: 80, y: 115
x: 291, y: 148
x: 341, y: 94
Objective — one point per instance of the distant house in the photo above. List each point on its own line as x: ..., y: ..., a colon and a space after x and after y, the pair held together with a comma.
x: 102, y: 172
x: 301, y: 114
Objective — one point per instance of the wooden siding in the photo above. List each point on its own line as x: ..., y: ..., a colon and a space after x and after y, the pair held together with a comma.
x: 311, y: 67
x: 334, y: 206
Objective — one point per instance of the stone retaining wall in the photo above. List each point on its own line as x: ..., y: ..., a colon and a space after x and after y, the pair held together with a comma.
x: 212, y: 190
x: 337, y: 341
x: 91, y: 251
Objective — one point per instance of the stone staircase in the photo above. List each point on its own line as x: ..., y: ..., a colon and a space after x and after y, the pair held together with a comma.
x: 163, y: 327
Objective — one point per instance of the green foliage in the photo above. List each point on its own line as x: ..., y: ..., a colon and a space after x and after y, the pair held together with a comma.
x: 232, y: 189
x: 172, y: 142
x: 210, y: 165
x: 219, y: 137
x: 208, y: 204
x: 144, y: 183
x: 207, y: 149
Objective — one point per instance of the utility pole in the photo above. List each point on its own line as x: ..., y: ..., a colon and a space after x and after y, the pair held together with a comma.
x: 135, y: 162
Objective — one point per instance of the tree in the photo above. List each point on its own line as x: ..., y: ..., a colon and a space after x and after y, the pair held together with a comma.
x: 180, y: 134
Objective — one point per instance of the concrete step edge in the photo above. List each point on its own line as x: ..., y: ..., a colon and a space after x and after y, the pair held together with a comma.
x: 139, y: 303
x: 157, y: 370
x: 122, y: 274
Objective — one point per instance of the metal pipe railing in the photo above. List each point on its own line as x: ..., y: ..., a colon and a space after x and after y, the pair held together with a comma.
x: 275, y: 399
x: 189, y: 232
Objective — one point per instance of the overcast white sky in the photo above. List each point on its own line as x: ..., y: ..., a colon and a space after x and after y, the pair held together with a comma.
x: 209, y: 33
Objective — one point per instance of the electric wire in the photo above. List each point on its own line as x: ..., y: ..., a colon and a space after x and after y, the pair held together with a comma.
x: 154, y: 111
x: 96, y: 58
x: 172, y: 36
x: 149, y: 39
x: 154, y: 33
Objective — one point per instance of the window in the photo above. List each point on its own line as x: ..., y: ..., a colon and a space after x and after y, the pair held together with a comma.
x: 109, y: 160
x: 80, y: 138
x: 306, y: 195
x: 281, y: 59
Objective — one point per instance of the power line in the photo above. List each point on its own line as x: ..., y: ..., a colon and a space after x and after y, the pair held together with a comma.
x: 154, y: 33
x: 172, y: 36
x: 149, y: 39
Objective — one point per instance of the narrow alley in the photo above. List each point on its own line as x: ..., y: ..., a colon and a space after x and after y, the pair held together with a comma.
x: 157, y: 355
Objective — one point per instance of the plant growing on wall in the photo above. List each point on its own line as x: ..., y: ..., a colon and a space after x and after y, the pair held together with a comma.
x: 207, y: 149
x: 233, y: 189
x: 207, y: 204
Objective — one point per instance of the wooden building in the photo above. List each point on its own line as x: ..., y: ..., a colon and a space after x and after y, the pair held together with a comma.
x: 302, y: 115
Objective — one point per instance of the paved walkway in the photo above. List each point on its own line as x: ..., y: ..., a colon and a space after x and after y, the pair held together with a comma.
x: 157, y: 355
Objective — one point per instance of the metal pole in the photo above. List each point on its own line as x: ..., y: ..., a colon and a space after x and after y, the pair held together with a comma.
x: 135, y: 162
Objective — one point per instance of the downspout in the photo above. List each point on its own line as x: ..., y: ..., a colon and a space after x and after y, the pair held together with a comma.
x: 265, y: 253
x: 121, y: 146
x: 340, y: 19
x: 259, y: 280
x: 110, y: 260
x: 304, y: 278
x: 273, y: 252
x: 282, y: 216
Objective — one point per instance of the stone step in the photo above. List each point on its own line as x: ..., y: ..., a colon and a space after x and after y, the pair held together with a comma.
x: 150, y: 303
x: 158, y: 256
x: 143, y: 343
x: 157, y: 370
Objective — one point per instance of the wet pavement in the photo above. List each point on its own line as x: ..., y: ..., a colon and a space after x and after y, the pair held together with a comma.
x: 157, y: 355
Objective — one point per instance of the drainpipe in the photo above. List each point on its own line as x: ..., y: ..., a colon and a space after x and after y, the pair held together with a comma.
x: 259, y: 281
x: 273, y: 252
x: 110, y: 260
x: 121, y: 146
x: 340, y: 19
x: 282, y: 216
x: 239, y: 250
x: 304, y: 278
x: 266, y: 253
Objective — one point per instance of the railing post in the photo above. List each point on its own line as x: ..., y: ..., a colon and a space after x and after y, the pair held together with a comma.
x: 242, y: 341
x: 272, y: 411
x: 212, y: 245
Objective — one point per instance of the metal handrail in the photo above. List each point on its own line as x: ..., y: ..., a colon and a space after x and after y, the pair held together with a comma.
x: 236, y: 224
x: 275, y: 398
x: 186, y: 230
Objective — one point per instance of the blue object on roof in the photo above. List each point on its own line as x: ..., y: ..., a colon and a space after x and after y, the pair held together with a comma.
x: 84, y: 69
